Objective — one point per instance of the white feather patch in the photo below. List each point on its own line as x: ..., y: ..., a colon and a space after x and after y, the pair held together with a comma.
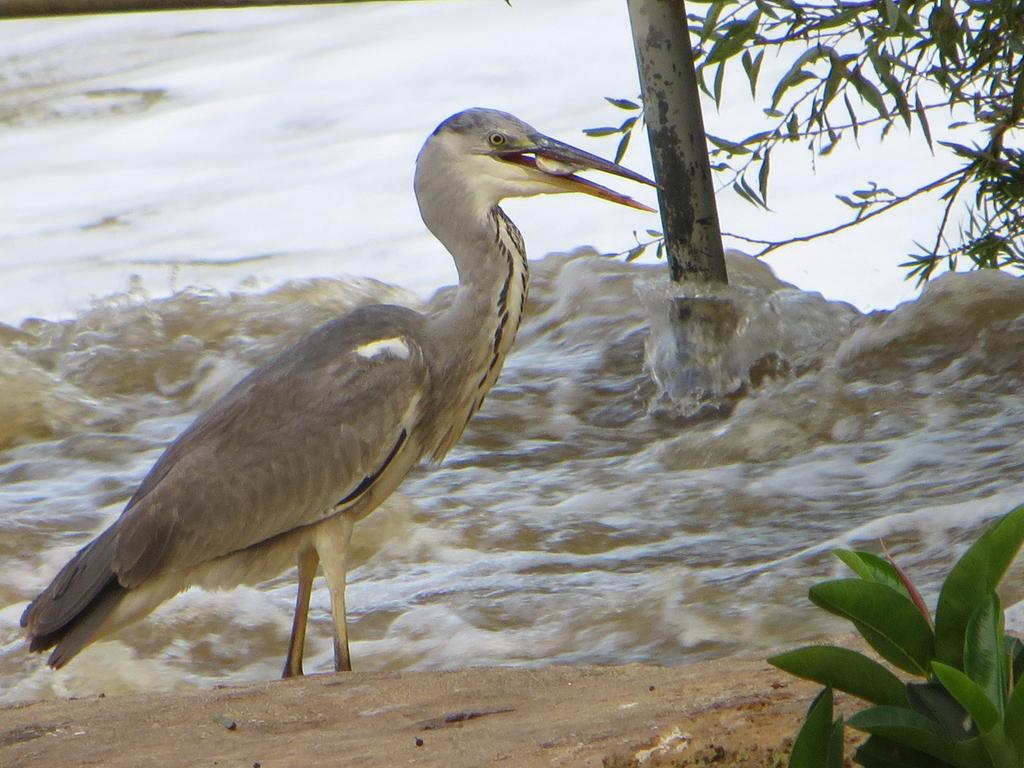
x: 393, y: 347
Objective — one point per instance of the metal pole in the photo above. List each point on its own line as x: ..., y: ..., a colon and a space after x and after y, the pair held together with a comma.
x: 28, y: 9
x: 675, y: 129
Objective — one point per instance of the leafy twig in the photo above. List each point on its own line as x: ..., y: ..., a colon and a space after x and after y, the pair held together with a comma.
x: 773, y: 245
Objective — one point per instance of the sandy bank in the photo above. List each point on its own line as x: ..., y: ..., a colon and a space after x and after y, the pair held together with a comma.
x: 728, y: 712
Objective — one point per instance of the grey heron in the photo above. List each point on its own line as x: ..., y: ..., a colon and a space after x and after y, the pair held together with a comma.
x: 279, y: 469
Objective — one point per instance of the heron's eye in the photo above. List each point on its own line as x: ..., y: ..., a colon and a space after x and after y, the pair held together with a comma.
x: 496, y: 139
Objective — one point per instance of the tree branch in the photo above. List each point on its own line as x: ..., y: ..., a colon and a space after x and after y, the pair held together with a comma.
x: 773, y: 245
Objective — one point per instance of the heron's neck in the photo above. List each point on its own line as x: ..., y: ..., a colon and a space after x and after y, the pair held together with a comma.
x: 493, y: 281
x: 477, y: 330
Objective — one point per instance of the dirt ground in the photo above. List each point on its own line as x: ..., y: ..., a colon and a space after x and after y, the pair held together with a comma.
x: 728, y: 713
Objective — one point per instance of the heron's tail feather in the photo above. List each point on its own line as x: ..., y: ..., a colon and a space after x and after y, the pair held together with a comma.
x: 82, y: 631
x: 68, y: 612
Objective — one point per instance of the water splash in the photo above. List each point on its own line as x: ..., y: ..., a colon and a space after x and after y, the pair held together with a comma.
x: 625, y: 494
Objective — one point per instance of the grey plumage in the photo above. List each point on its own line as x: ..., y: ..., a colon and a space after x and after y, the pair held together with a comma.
x: 278, y: 470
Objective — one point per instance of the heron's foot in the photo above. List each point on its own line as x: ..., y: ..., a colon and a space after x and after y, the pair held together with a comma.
x: 292, y: 668
x: 342, y: 659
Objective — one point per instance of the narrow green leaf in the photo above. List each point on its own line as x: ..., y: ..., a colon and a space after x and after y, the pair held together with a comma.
x: 710, y: 20
x: 922, y: 118
x: 985, y: 650
x: 976, y: 574
x: 748, y: 67
x: 750, y: 191
x: 854, y: 123
x: 835, y: 76
x: 620, y: 151
x: 757, y: 138
x: 945, y: 31
x: 869, y: 92
x: 742, y: 193
x: 883, y: 68
x: 907, y: 25
x: 701, y: 82
x: 766, y: 8
x: 796, y: 73
x: 755, y: 72
x: 968, y: 153
x: 752, y: 67
x: 844, y: 670
x: 635, y: 252
x: 838, y: 19
x: 603, y: 131
x: 718, y: 81
x: 901, y: 104
x: 892, y: 15
x: 884, y: 617
x: 622, y: 103
x: 762, y: 177
x: 812, y: 741
x: 734, y: 36
x: 969, y: 694
x: 729, y: 146
x: 851, y: 203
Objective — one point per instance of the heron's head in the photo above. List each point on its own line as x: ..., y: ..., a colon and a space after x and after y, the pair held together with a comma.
x: 490, y: 155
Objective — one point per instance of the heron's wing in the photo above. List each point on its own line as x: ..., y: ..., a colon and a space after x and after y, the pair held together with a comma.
x: 309, y: 430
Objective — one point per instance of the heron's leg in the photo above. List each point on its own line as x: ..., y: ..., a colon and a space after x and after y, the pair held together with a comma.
x: 308, y: 562
x: 332, y: 543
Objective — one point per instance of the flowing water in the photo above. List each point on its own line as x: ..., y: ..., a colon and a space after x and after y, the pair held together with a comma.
x: 658, y: 475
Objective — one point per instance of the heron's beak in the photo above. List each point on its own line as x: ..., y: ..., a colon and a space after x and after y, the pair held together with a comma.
x: 557, y: 163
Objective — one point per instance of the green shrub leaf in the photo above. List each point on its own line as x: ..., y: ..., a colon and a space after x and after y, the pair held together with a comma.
x: 906, y: 727
x: 844, y: 670
x: 1015, y: 653
x: 975, y: 575
x: 834, y: 756
x: 871, y: 567
x: 886, y: 618
x: 982, y: 751
x: 1013, y: 719
x: 933, y: 701
x: 971, y: 696
x: 814, y: 745
x: 985, y: 658
x: 877, y: 752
